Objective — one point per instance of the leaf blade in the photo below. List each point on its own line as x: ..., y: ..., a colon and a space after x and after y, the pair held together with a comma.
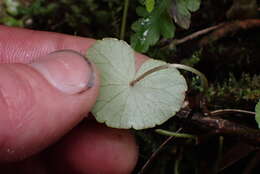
x: 150, y: 102
x: 149, y: 28
x: 193, y: 5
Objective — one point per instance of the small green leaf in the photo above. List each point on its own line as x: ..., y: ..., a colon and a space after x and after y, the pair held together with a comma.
x: 167, y: 27
x: 193, y: 5
x: 147, y: 33
x: 12, y: 6
x: 181, y: 14
x: 181, y: 9
x: 149, y: 4
x: 257, y: 113
x: 149, y: 28
x: 149, y: 102
x: 11, y: 21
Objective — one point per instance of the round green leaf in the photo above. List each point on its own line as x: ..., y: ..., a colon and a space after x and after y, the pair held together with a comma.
x: 149, y: 102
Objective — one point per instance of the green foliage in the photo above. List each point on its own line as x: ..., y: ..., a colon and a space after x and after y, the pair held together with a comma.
x: 9, y: 12
x: 156, y: 21
x: 257, y: 112
x: 149, y: 4
x: 193, y: 5
x: 85, y: 17
x: 39, y: 8
x: 246, y: 88
x: 12, y: 6
x: 193, y: 60
x: 149, y: 28
x: 11, y: 21
x: 17, y: 14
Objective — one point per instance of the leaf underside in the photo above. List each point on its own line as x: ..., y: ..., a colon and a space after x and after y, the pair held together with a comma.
x: 148, y: 103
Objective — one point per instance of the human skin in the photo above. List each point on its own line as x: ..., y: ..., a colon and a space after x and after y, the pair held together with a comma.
x: 82, y: 146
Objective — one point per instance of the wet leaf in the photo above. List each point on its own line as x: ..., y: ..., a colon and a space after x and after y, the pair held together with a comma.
x: 149, y: 28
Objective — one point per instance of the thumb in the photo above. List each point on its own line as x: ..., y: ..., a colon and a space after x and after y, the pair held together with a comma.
x: 42, y: 101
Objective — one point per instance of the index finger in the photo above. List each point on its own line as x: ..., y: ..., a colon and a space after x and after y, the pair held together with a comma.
x: 19, y: 45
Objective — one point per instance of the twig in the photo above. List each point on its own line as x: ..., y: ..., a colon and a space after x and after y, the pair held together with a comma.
x: 155, y: 153
x: 191, y: 36
x: 196, y: 34
x: 221, y: 30
x: 228, y: 28
x: 219, y: 155
x: 175, y: 134
x: 227, y: 111
x: 177, y: 166
x: 222, y: 127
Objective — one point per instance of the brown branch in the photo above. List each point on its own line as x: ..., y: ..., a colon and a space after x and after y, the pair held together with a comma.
x: 211, y: 124
x: 228, y: 28
x: 196, y: 34
x: 222, y: 126
x: 221, y: 30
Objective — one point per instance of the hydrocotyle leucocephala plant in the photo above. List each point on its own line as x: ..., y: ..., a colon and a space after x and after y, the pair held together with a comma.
x: 136, y: 99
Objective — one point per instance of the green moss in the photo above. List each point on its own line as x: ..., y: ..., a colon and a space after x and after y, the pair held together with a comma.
x: 234, y: 90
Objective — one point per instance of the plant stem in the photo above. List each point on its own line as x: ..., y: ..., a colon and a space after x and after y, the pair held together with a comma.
x: 174, y: 134
x: 158, y: 68
x: 122, y: 32
x: 226, y: 111
x: 203, y: 78
x: 176, y: 166
x: 219, y: 155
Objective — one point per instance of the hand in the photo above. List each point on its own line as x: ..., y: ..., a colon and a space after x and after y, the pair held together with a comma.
x: 44, y: 93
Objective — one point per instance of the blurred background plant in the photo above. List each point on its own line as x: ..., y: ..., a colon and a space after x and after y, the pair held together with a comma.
x: 9, y: 13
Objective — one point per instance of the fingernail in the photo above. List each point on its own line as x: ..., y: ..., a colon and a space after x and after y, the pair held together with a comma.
x: 66, y: 70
